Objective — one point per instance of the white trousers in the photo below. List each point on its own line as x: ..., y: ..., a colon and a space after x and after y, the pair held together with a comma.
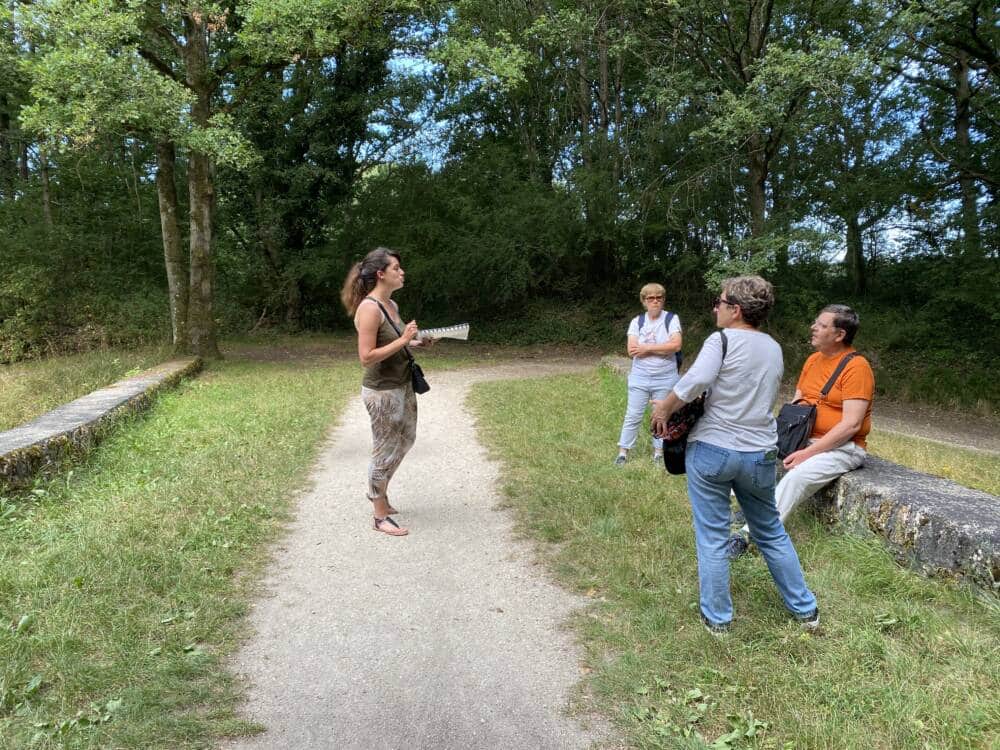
x: 813, y: 474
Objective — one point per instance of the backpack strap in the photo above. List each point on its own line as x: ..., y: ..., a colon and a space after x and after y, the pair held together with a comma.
x: 678, y: 356
x: 836, y: 373
x: 725, y: 344
x: 642, y: 321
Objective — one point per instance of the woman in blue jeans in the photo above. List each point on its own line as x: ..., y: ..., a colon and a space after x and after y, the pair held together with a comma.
x: 732, y: 448
x: 654, y: 338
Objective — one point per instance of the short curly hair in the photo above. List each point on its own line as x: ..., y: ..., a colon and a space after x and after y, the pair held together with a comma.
x: 754, y: 295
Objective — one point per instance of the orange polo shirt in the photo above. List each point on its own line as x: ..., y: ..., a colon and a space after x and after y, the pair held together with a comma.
x: 855, y: 382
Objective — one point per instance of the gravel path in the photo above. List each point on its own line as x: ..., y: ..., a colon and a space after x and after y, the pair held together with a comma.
x: 451, y: 637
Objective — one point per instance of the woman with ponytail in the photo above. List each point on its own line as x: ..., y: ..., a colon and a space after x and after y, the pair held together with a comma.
x: 386, y: 388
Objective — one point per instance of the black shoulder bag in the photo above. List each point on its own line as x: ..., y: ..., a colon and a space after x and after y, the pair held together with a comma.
x: 680, y: 424
x: 420, y: 384
x: 797, y: 419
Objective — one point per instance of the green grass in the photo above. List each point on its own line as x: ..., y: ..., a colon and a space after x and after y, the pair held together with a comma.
x: 125, y: 580
x: 901, y: 662
x: 29, y: 389
x: 980, y: 471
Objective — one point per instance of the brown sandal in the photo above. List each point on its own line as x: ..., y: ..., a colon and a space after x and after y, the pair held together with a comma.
x: 388, y: 526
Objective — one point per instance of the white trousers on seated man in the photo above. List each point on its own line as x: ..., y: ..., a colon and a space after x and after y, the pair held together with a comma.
x: 810, y: 476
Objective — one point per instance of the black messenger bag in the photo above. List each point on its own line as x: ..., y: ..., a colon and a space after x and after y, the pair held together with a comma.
x: 797, y: 419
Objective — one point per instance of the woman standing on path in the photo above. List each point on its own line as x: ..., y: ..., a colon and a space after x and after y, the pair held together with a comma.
x: 654, y: 338
x: 733, y: 447
x: 386, y: 388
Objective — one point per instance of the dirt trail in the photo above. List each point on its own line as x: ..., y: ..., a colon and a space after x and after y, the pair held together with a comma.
x: 452, y: 637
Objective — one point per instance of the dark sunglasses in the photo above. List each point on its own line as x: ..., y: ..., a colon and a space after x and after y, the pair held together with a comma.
x: 654, y: 296
x: 719, y: 301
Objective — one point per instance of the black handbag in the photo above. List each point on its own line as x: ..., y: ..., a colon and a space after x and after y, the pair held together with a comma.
x: 680, y: 424
x: 797, y: 419
x: 419, y: 382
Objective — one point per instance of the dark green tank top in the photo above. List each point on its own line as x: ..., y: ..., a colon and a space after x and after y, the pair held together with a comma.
x: 392, y: 372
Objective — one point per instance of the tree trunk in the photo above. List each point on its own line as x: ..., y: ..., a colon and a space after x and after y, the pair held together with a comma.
x: 757, y: 185
x: 173, y: 254
x: 201, y: 325
x: 583, y: 90
x: 855, y: 257
x: 293, y: 305
x: 971, y: 241
x: 779, y: 212
x: 43, y: 167
x: 8, y: 167
x: 604, y: 78
x: 201, y: 193
x: 23, y: 161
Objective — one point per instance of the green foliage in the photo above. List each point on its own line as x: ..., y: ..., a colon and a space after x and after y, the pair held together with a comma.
x: 96, y: 278
x: 504, y: 240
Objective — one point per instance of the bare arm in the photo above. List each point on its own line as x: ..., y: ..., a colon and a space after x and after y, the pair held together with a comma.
x: 848, y: 426
x: 367, y: 319
x: 635, y: 349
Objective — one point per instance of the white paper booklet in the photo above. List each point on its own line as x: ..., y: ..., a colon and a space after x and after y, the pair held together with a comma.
x: 461, y: 331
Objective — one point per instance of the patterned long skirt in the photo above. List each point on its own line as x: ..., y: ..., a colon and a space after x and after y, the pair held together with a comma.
x: 393, y: 415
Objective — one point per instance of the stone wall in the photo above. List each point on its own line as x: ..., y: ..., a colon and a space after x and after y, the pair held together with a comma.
x: 75, y: 428
x: 931, y: 524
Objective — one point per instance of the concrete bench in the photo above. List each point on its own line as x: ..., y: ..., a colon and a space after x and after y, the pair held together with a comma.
x: 934, y: 525
x: 74, y: 428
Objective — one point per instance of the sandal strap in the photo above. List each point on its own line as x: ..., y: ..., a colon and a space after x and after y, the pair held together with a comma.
x: 387, y: 518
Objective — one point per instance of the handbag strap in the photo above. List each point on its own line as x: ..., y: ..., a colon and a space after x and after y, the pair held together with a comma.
x: 388, y: 317
x: 836, y: 373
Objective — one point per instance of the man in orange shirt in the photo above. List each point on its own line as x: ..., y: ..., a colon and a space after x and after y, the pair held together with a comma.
x: 843, y: 417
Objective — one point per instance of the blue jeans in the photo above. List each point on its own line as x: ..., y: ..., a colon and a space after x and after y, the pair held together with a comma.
x: 641, y: 388
x: 711, y: 472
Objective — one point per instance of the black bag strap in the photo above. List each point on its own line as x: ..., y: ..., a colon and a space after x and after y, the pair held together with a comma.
x: 394, y: 327
x: 836, y: 373
x: 725, y: 344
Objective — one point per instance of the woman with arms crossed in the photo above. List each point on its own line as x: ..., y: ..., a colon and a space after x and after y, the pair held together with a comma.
x: 654, y: 338
x: 733, y: 447
x: 386, y: 387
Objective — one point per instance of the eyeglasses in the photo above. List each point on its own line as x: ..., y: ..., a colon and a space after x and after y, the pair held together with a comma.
x: 719, y: 301
x: 654, y: 296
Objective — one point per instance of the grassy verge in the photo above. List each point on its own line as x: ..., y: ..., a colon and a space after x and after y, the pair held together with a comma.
x: 29, y: 389
x: 901, y: 661
x: 124, y: 582
x: 980, y: 471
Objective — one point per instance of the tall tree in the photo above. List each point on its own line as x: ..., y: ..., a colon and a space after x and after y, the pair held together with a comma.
x: 162, y: 70
x: 950, y: 50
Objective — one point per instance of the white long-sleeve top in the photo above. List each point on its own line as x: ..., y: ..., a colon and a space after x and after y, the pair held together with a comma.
x: 739, y: 411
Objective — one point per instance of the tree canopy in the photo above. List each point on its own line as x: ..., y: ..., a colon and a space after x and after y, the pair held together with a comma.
x: 167, y: 169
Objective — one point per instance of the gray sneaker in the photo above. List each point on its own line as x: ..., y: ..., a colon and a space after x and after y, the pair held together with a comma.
x: 620, y: 461
x: 658, y: 460
x: 736, y: 546
x: 809, y: 621
x: 716, y: 629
